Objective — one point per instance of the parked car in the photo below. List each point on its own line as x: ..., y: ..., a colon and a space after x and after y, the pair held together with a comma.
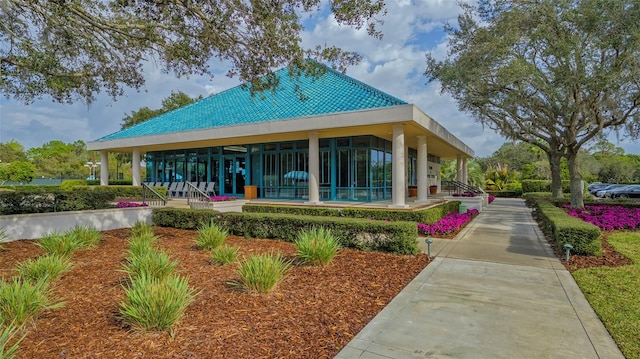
x: 595, y: 186
x: 602, y: 192
x: 632, y: 191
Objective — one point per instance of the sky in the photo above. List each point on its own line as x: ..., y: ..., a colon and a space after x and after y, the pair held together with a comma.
x: 395, y: 65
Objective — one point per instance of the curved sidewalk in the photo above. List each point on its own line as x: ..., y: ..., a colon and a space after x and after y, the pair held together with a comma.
x: 495, y: 291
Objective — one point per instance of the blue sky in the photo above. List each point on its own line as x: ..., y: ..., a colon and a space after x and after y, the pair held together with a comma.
x: 394, y: 64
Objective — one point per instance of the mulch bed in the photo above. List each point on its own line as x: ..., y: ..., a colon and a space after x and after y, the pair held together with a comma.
x: 610, y: 257
x: 313, y: 313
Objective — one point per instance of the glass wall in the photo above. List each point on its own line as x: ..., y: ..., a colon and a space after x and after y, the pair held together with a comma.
x: 351, y: 168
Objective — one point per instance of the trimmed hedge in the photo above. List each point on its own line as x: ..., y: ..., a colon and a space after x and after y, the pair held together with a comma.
x: 583, y: 236
x: 396, y: 237
x: 45, y: 199
x: 427, y: 215
x: 543, y: 186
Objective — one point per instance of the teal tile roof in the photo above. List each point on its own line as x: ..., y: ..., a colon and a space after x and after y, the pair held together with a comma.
x: 332, y: 92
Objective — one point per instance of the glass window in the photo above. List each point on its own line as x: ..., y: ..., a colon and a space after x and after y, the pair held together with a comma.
x: 343, y: 142
x: 286, y: 146
x: 361, y: 141
x: 269, y: 147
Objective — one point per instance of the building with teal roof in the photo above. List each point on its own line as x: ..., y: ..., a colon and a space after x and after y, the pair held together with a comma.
x: 327, y: 137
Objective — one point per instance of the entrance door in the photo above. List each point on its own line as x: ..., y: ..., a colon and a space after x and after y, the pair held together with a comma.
x: 234, y: 174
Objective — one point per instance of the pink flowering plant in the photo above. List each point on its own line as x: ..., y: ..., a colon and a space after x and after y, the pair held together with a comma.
x: 222, y: 198
x: 608, y: 218
x: 447, y: 224
x: 491, y: 199
x: 130, y: 205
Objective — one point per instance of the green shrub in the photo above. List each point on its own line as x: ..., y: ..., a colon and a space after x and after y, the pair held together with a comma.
x: 141, y: 228
x: 56, y: 243
x: 210, y: 236
x: 152, y: 304
x: 564, y: 229
x: 261, y: 273
x: 141, y: 244
x: 427, y: 215
x: 45, y: 268
x: 316, y: 246
x: 224, y: 255
x: 7, y: 333
x: 396, y: 237
x: 85, y: 236
x: 22, y: 301
x: 70, y: 185
x: 153, y: 263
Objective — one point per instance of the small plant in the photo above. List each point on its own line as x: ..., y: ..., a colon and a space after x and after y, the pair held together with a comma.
x: 153, y: 263
x: 57, y: 243
x: 3, y: 236
x: 261, y: 273
x: 141, y: 243
x: 153, y: 304
x: 130, y: 205
x: 45, y: 268
x: 6, y: 335
x: 140, y: 228
x: 85, y: 236
x: 224, y: 255
x: 316, y: 246
x: 210, y: 236
x: 22, y: 301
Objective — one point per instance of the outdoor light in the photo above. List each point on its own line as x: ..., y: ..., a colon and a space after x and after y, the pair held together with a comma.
x: 567, y: 248
x: 92, y: 168
x: 429, y: 241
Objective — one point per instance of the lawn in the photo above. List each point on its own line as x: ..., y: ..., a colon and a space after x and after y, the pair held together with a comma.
x: 614, y: 293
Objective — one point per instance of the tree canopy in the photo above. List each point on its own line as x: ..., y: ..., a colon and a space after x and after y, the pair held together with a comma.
x: 555, y: 74
x: 71, y: 50
x: 174, y: 101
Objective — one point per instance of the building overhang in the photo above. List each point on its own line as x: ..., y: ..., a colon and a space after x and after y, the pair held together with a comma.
x: 377, y: 122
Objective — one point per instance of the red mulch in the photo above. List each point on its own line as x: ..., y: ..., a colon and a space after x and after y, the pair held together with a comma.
x: 610, y: 258
x: 313, y: 313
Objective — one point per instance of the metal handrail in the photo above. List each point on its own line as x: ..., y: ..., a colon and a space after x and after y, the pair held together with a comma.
x: 458, y: 186
x: 152, y: 198
x: 197, y: 199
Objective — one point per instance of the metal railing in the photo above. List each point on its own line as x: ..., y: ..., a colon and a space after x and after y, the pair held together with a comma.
x: 197, y: 199
x: 461, y: 188
x: 152, y: 198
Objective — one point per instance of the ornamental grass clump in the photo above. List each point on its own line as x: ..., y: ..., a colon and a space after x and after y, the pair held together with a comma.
x: 56, y: 243
x: 3, y: 236
x: 84, y: 236
x: 22, y: 301
x: 154, y: 304
x: 7, y: 333
x: 141, y: 243
x: 152, y: 263
x: 316, y: 246
x: 141, y: 228
x: 46, y: 268
x: 210, y: 236
x: 261, y: 273
x: 224, y: 255
x: 447, y: 224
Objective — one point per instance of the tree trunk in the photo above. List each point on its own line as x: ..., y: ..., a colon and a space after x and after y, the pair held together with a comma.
x: 576, y: 180
x: 556, y: 177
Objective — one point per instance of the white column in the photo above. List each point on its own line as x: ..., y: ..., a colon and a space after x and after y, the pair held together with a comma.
x: 459, y: 168
x: 398, y: 168
x: 465, y: 171
x: 135, y: 167
x: 314, y: 169
x: 421, y: 171
x: 104, y: 168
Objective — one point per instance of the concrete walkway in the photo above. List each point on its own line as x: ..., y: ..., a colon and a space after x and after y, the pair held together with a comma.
x: 496, y: 291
